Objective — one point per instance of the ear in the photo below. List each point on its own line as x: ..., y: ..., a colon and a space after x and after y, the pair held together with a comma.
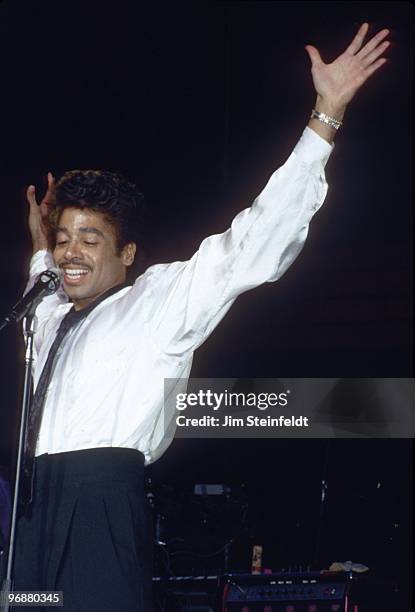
x: 128, y: 253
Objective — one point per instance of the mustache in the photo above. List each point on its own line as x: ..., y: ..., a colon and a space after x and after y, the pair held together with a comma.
x: 75, y: 261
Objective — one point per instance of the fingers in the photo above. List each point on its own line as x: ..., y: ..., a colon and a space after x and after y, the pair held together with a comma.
x: 371, y: 69
x: 51, y: 180
x: 31, y: 197
x: 358, y: 39
x: 49, y: 198
x: 373, y: 44
x: 47, y: 202
x: 371, y: 57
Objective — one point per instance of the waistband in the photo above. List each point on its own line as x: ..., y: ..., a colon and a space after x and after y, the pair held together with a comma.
x: 89, y: 465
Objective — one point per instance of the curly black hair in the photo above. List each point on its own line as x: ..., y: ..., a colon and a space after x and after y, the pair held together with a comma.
x: 105, y: 192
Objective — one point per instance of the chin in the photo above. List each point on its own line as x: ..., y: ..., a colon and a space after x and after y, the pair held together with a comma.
x: 75, y: 292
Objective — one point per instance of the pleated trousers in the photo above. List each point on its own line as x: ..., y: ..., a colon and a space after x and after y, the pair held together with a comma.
x: 88, y: 532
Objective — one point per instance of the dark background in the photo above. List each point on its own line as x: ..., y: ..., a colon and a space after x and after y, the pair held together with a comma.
x: 198, y: 103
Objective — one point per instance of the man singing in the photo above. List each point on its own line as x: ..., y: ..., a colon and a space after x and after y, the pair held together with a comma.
x: 99, y: 387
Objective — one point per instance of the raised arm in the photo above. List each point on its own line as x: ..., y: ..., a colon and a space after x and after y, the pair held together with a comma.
x: 265, y: 239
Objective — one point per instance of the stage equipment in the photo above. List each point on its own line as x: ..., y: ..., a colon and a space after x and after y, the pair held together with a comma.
x: 277, y: 592
x: 188, y: 593
x: 289, y: 592
x: 195, y: 528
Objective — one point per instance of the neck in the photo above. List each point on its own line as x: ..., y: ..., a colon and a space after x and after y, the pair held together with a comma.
x: 80, y: 304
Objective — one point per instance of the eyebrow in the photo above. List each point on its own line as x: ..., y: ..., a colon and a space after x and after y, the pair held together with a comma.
x: 85, y: 230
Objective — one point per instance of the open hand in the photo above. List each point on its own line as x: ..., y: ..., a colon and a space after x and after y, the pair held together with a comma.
x: 338, y: 82
x: 39, y: 214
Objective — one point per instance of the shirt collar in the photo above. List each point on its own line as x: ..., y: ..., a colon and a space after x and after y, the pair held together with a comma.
x: 72, y: 316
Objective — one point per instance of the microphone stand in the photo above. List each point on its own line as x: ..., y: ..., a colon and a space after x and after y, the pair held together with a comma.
x: 29, y: 329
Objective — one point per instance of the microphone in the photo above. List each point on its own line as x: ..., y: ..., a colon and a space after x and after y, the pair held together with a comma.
x: 48, y: 282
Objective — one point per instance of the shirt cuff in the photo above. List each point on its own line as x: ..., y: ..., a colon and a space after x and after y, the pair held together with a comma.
x: 312, y: 149
x: 41, y: 260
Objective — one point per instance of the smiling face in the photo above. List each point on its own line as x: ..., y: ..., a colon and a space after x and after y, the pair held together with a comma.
x: 86, y: 250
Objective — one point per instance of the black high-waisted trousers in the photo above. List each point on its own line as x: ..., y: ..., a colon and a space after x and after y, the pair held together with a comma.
x: 88, y: 532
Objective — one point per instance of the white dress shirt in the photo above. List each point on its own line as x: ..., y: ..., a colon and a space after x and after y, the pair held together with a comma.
x: 107, y: 388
